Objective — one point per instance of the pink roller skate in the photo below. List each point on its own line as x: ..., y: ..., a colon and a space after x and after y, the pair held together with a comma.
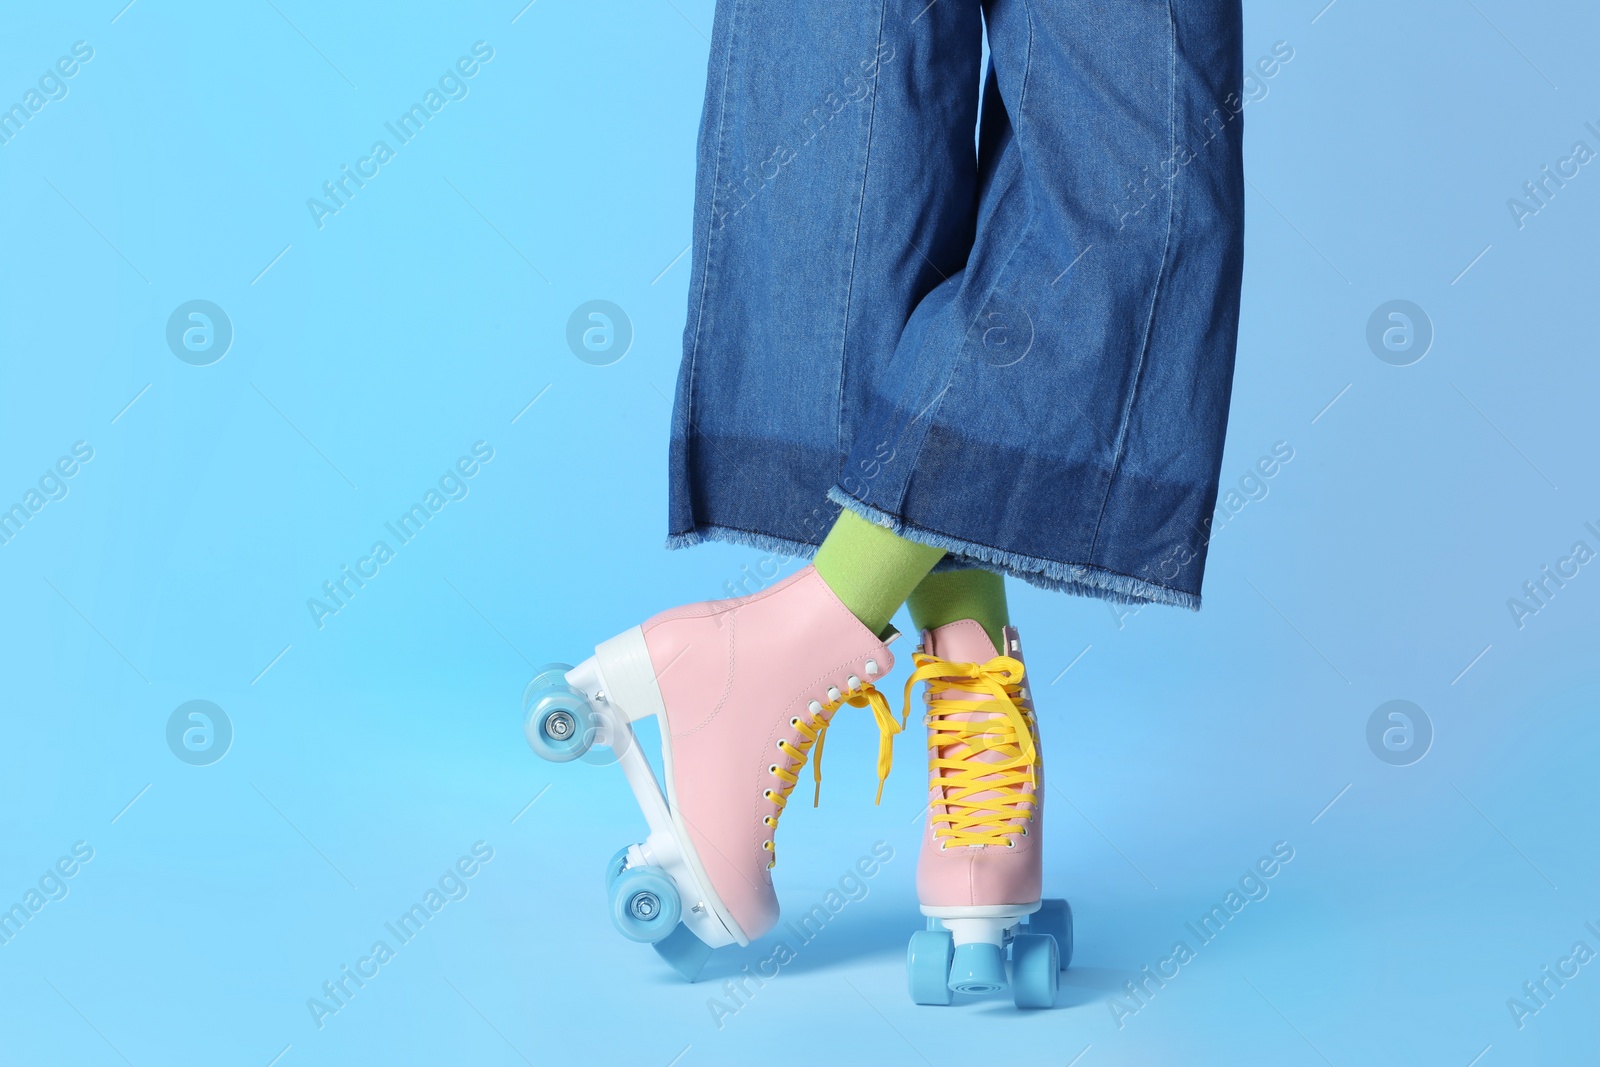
x: 744, y: 690
x: 978, y: 877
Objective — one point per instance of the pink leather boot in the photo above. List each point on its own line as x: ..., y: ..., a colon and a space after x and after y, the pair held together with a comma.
x: 979, y: 873
x: 744, y: 690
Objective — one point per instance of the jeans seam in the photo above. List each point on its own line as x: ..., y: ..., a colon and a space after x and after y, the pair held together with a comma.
x: 855, y: 243
x: 687, y: 400
x: 1155, y: 290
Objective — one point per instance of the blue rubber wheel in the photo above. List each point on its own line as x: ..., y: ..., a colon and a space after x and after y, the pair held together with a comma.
x: 615, y: 866
x: 1054, y: 917
x: 558, y: 726
x: 928, y: 966
x: 978, y: 968
x: 550, y: 676
x: 644, y: 904
x: 684, y: 951
x: 1035, y: 970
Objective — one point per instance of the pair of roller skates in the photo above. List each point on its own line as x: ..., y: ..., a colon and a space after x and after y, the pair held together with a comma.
x: 744, y: 691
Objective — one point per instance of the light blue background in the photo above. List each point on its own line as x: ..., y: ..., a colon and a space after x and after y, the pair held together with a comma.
x: 426, y: 315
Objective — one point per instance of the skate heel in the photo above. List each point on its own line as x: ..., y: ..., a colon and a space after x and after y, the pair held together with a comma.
x: 626, y: 676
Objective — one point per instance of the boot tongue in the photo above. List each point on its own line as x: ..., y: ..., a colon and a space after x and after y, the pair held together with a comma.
x: 960, y: 642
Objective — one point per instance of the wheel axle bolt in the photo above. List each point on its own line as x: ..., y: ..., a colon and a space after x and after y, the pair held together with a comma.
x: 645, y: 906
x: 559, y: 726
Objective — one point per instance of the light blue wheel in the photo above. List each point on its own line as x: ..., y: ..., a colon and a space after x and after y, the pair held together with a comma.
x: 559, y: 726
x: 928, y: 966
x: 684, y: 951
x: 615, y: 866
x: 550, y: 676
x: 978, y: 968
x: 1035, y: 970
x: 1054, y: 917
x: 644, y: 904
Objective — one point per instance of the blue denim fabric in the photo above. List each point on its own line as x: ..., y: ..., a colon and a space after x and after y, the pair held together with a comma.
x: 1021, y: 354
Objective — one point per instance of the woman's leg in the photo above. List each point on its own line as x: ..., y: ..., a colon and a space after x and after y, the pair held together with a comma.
x: 1057, y: 411
x: 836, y: 186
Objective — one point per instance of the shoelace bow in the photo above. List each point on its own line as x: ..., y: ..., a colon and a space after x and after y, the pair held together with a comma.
x: 813, y: 728
x: 1003, y: 729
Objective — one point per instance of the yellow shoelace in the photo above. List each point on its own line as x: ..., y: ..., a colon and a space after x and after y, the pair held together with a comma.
x: 1004, y: 729
x: 813, y: 729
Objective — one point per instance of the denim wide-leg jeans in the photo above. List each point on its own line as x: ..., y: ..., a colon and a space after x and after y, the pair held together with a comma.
x: 1017, y: 347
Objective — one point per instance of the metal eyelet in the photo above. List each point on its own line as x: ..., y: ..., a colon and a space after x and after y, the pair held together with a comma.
x: 833, y: 693
x: 853, y: 682
x: 871, y: 667
x: 814, y: 707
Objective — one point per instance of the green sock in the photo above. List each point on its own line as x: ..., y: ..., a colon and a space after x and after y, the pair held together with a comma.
x: 951, y: 596
x: 872, y: 569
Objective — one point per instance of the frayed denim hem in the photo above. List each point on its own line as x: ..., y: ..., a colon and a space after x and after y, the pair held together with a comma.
x: 780, y: 546
x: 1078, y: 579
